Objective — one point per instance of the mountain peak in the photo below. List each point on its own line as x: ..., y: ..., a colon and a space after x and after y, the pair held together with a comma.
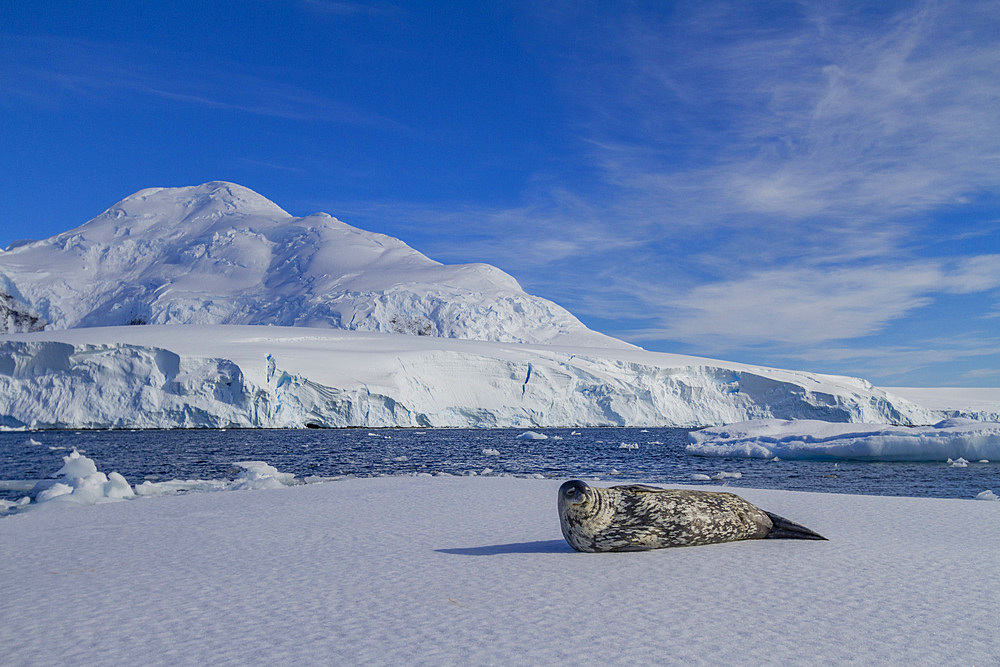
x: 210, y: 199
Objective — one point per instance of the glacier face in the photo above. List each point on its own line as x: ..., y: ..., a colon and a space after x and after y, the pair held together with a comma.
x: 252, y: 376
x: 220, y: 253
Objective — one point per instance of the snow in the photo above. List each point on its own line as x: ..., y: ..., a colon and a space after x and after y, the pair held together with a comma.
x: 435, y: 570
x: 956, y: 441
x: 217, y: 376
x: 219, y: 253
x: 982, y: 403
x: 79, y: 482
x: 476, y: 350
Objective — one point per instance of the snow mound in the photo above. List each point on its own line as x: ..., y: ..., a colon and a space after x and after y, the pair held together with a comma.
x: 79, y: 482
x: 953, y: 440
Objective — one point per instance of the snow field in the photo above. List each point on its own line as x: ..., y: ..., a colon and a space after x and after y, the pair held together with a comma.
x: 432, y: 570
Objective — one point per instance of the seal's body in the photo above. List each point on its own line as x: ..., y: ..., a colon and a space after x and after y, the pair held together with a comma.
x: 639, y: 517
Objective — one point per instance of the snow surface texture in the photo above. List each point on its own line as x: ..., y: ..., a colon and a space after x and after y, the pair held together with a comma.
x: 219, y: 253
x: 474, y: 570
x: 961, y: 439
x: 254, y: 376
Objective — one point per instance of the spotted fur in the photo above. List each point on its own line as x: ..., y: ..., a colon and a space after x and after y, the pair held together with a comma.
x: 639, y: 517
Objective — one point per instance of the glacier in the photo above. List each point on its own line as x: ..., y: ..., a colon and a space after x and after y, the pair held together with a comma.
x: 220, y: 376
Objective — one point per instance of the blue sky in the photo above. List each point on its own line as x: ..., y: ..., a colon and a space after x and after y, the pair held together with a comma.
x: 803, y: 185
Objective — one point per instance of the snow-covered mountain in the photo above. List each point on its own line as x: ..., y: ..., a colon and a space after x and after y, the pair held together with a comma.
x: 479, y: 350
x: 219, y: 253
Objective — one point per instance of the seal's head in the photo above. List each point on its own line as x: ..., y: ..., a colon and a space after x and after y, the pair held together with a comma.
x: 579, y: 505
x: 573, y: 493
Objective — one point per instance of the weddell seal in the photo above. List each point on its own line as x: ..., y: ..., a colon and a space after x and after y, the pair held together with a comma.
x: 640, y: 517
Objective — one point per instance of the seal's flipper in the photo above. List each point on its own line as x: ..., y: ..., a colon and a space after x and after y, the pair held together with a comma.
x: 789, y: 530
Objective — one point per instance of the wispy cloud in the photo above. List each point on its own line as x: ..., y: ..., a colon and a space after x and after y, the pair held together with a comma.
x: 829, y: 114
x: 45, y: 71
x: 811, y: 306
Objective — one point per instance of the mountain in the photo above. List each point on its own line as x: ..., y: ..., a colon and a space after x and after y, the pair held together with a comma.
x: 219, y: 253
x: 218, y: 257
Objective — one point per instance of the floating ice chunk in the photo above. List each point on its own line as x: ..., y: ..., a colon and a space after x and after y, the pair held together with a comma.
x: 260, y: 475
x: 698, y: 477
x: 984, y: 460
x: 727, y: 475
x: 987, y: 495
x: 958, y: 463
x: 629, y: 445
x: 401, y: 459
x: 32, y: 441
x: 813, y: 439
x: 491, y: 452
x: 532, y: 435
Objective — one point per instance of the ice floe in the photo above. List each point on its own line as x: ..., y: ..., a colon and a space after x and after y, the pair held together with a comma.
x: 953, y: 439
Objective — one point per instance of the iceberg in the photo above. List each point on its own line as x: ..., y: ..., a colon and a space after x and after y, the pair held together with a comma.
x: 955, y: 441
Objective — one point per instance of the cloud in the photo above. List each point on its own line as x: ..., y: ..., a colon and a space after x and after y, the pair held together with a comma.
x: 44, y: 71
x: 809, y: 305
x: 833, y: 114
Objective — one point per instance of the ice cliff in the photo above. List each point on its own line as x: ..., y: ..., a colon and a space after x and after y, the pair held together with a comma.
x: 244, y: 376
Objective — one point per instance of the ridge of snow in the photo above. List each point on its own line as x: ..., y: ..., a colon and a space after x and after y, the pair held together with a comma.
x: 219, y: 253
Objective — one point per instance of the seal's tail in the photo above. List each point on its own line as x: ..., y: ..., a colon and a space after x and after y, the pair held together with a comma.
x: 789, y: 530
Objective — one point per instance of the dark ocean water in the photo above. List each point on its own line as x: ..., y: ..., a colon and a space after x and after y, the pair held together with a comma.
x: 654, y: 455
